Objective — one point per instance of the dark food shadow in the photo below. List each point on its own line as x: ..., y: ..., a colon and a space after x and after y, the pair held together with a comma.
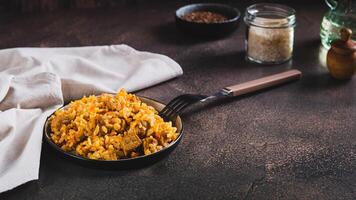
x: 315, y: 76
x: 306, y: 51
x: 225, y: 100
x: 169, y: 33
x: 53, y: 161
x: 320, y: 81
x: 28, y: 186
x: 231, y: 60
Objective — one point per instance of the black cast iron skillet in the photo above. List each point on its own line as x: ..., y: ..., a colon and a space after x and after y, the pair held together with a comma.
x: 128, y: 163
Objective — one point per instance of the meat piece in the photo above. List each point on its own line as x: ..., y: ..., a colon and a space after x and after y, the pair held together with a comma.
x: 130, y: 142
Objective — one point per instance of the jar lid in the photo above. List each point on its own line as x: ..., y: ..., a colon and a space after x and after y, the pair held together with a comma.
x: 345, y: 44
x: 270, y: 15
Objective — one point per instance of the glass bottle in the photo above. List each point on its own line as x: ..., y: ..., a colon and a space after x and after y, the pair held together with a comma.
x: 342, y: 14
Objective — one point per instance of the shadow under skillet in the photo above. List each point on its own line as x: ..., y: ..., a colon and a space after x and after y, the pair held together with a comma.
x: 51, y: 161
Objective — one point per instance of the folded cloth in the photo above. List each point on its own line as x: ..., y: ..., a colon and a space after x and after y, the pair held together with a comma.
x: 36, y: 81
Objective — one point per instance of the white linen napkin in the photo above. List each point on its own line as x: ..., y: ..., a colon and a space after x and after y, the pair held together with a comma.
x: 36, y: 81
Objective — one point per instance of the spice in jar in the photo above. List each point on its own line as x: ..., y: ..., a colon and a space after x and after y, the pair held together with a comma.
x: 204, y: 17
x: 270, y: 33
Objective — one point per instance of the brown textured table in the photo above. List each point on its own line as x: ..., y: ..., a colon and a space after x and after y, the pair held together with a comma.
x: 297, y: 141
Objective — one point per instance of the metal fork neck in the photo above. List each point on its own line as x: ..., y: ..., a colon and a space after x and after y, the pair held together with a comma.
x: 221, y: 93
x: 225, y: 92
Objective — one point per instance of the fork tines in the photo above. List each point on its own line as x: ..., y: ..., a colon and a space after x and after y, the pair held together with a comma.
x: 174, y: 107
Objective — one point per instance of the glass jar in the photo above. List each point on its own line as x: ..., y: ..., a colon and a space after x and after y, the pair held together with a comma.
x: 269, y: 33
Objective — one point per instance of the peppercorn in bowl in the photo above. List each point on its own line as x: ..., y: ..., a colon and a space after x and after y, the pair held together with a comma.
x: 112, y: 130
x: 207, y: 19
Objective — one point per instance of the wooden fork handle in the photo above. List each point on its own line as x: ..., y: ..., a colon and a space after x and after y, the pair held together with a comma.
x: 265, y: 82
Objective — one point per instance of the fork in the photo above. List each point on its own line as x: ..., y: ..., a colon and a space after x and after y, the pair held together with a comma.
x: 178, y: 104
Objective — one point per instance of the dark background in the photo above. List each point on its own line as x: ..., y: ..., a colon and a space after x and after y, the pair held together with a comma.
x: 50, y: 5
x: 292, y: 142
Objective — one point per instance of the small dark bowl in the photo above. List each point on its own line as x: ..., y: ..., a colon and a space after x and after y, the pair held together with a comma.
x: 208, y: 29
